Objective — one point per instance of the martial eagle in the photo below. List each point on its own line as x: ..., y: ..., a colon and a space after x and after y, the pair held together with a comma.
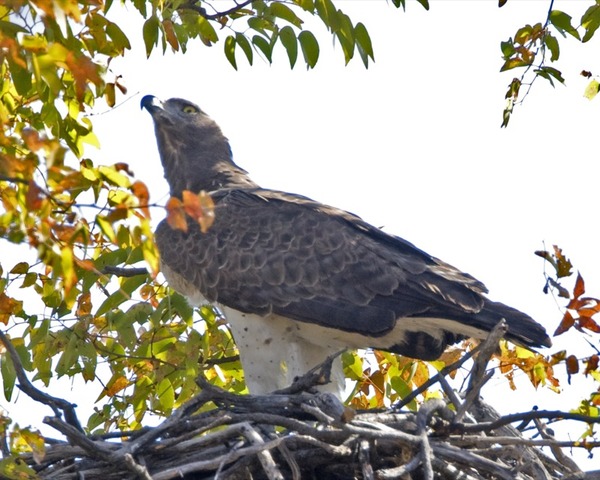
x: 299, y: 280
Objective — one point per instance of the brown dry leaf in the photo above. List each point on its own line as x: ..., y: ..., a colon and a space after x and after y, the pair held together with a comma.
x: 34, y: 197
x: 110, y: 94
x: 123, y: 167
x: 565, y: 324
x: 572, y: 365
x: 170, y: 34
x: 591, y: 365
x: 588, y: 323
x: 579, y: 288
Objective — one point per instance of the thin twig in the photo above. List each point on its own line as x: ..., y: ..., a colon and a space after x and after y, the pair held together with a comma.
x: 433, y: 380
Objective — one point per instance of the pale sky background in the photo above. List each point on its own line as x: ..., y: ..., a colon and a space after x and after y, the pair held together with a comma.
x: 412, y: 144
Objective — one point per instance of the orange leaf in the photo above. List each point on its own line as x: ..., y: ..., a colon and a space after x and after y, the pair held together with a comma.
x: 176, y: 214
x: 8, y: 306
x: 84, y: 304
x: 200, y: 207
x: 84, y: 70
x: 119, y: 384
x: 32, y: 139
x: 140, y: 190
x: 85, y: 264
x: 208, y: 207
x: 565, y: 324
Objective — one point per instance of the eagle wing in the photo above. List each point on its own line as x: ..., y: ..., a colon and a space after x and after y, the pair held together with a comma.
x: 273, y: 252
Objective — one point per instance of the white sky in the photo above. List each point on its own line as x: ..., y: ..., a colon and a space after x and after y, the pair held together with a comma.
x: 412, y: 144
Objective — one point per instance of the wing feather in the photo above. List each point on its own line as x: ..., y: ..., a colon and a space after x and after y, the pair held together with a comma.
x: 268, y: 251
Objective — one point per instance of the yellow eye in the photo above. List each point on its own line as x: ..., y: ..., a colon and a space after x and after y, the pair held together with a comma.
x: 189, y: 109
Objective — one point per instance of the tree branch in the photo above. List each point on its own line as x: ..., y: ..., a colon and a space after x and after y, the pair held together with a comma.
x: 202, y: 11
x: 123, y: 272
x: 56, y: 404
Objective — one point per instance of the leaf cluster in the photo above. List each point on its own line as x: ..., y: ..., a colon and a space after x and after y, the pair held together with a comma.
x: 534, y: 46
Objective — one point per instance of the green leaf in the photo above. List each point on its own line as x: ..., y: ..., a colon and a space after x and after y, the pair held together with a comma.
x: 244, y: 44
x: 150, y: 33
x: 166, y: 395
x: 592, y: 89
x: 261, y: 25
x: 590, y: 21
x: 513, y: 63
x: 549, y: 73
x: 524, y: 34
x: 284, y: 12
x: 425, y: 4
x: 120, y: 40
x: 9, y: 375
x: 20, y: 268
x: 21, y: 77
x: 562, y: 22
x: 508, y: 49
x: 363, y: 41
x: 308, y: 5
x: 345, y: 35
x: 230, y: 43
x: 328, y: 13
x: 310, y: 48
x: 264, y: 46
x: 11, y: 29
x: 121, y: 295
x: 207, y: 31
x: 552, y: 44
x: 288, y: 39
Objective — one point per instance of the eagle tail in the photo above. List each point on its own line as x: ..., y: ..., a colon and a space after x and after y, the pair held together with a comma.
x: 522, y: 329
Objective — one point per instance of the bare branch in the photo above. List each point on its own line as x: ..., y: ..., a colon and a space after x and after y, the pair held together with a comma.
x: 124, y: 272
x: 56, y: 404
x: 478, y: 372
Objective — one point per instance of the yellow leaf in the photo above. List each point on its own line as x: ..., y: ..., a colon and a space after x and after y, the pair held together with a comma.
x: 592, y: 89
x: 68, y: 271
x: 35, y: 442
x: 115, y: 386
